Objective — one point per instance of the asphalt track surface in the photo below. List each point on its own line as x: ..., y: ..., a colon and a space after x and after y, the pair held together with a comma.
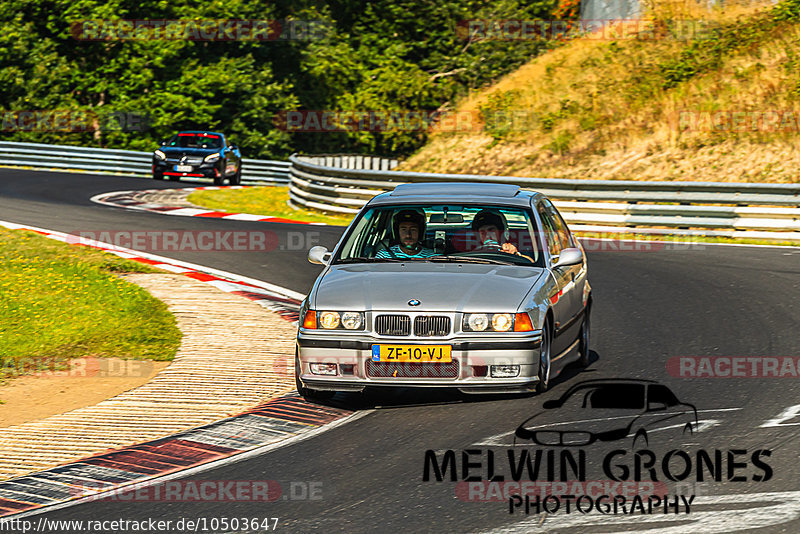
x: 649, y: 306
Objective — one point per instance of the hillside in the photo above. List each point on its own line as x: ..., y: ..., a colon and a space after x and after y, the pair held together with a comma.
x: 701, y: 96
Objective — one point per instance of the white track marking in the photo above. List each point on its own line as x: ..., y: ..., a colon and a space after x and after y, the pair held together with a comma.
x: 789, y: 413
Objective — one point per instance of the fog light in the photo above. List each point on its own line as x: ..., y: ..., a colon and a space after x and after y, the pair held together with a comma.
x: 323, y: 368
x: 505, y: 371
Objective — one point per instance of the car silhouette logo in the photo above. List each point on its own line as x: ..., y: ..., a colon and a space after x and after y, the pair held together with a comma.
x: 414, y: 302
x: 609, y: 410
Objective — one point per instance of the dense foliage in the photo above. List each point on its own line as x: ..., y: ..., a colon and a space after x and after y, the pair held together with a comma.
x: 386, y: 55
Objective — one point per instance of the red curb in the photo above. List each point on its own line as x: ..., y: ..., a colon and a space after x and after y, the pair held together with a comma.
x: 124, y: 199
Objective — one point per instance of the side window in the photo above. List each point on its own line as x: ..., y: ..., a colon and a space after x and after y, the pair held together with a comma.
x: 553, y: 243
x: 659, y: 393
x: 560, y: 226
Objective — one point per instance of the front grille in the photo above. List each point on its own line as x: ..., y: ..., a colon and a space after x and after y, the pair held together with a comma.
x: 188, y: 161
x: 412, y: 370
x: 431, y: 326
x: 393, y: 325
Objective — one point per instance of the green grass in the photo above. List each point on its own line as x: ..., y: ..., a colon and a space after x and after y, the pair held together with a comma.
x: 267, y: 200
x: 59, y: 301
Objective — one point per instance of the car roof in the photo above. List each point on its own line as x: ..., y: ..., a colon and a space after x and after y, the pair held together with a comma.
x: 456, y: 192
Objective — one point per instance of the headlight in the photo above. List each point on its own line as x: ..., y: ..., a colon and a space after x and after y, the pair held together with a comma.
x: 502, y: 322
x: 332, y: 320
x: 351, y: 320
x: 494, y: 322
x: 329, y: 319
x: 159, y: 154
x: 477, y: 321
x: 211, y: 158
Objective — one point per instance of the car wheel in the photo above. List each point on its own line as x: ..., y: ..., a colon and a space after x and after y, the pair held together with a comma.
x: 544, y: 359
x: 236, y: 179
x: 158, y: 176
x: 584, y: 343
x: 310, y: 395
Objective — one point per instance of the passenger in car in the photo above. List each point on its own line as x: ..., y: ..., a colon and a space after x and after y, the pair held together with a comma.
x: 492, y: 228
x: 408, y: 227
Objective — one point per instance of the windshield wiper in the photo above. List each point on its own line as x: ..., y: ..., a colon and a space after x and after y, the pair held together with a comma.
x: 469, y: 259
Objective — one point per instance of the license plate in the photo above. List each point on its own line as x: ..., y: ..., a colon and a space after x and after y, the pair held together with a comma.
x: 411, y: 353
x: 183, y: 168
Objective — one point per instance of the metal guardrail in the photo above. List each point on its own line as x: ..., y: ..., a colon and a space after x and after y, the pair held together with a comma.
x: 753, y: 210
x: 104, y: 160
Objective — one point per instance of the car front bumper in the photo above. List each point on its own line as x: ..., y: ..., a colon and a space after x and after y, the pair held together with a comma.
x: 202, y: 170
x: 473, y: 358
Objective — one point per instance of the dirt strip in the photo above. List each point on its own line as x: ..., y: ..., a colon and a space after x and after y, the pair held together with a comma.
x: 233, y: 356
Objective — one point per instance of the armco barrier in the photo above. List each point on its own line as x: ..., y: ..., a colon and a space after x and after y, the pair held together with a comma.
x: 118, y: 161
x: 753, y: 210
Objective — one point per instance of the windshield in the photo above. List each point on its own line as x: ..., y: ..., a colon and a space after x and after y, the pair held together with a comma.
x: 443, y: 233
x: 190, y: 140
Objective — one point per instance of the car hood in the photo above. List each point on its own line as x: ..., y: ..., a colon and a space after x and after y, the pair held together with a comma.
x: 438, y: 287
x: 176, y: 152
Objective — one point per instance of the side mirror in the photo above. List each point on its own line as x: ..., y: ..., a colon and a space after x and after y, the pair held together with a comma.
x: 163, y: 142
x: 569, y: 256
x: 319, y: 255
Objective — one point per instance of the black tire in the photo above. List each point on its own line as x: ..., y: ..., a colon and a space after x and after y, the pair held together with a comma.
x: 174, y: 178
x: 218, y: 179
x: 584, y: 343
x: 310, y: 395
x: 236, y: 179
x: 157, y: 176
x: 544, y: 358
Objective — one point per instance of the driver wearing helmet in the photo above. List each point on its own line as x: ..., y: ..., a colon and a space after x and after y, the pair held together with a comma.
x: 409, y: 228
x: 491, y: 228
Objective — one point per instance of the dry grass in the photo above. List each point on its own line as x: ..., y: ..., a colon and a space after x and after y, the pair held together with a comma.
x: 627, y: 109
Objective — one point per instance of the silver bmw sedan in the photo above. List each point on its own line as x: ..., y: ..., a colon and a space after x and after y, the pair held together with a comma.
x: 481, y: 287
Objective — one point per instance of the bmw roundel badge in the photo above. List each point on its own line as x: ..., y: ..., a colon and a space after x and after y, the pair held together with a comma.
x: 413, y: 302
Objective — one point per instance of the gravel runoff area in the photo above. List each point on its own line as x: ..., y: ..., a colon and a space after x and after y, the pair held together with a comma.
x: 233, y: 356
